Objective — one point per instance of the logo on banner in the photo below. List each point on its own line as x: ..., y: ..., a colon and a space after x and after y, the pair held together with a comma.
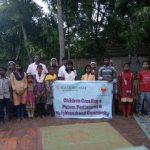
x: 70, y: 87
x: 104, y: 88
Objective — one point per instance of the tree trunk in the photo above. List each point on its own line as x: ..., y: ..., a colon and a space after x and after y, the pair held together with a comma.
x: 18, y: 53
x: 60, y: 30
x: 68, y: 43
x: 26, y: 42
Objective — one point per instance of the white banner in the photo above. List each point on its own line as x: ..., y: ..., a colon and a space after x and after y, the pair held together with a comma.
x: 82, y: 99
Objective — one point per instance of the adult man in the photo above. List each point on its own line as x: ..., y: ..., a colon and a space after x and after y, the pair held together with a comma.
x: 32, y: 67
x: 144, y: 87
x: 62, y: 69
x: 108, y: 73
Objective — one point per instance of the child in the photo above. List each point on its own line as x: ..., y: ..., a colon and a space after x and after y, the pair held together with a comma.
x: 50, y: 78
x: 40, y: 92
x: 88, y: 75
x: 4, y: 95
x: 19, y: 85
x: 126, y: 79
x: 30, y: 97
x: 144, y: 87
x: 70, y: 74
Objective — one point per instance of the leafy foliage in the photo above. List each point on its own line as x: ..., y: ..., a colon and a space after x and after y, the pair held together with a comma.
x: 89, y: 26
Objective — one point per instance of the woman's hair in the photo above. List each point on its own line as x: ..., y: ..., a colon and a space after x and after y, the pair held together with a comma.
x: 18, y: 63
x: 86, y: 68
x: 69, y: 63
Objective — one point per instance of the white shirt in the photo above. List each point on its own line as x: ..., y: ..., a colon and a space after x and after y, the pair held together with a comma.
x: 61, y: 71
x: 32, y: 69
x: 70, y: 76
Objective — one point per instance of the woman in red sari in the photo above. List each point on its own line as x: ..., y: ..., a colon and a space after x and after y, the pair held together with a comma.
x: 126, y: 78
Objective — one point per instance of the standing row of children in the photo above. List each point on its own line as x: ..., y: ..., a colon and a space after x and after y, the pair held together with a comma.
x: 32, y: 91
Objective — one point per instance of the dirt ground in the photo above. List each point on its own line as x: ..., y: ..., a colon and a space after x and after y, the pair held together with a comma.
x: 127, y: 127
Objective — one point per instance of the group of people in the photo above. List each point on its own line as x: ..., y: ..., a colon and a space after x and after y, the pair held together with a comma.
x: 30, y: 93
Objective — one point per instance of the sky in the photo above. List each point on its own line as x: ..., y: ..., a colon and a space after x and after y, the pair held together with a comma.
x: 42, y: 4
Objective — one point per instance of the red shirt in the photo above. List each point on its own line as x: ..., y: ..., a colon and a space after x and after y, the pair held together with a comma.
x: 144, y: 80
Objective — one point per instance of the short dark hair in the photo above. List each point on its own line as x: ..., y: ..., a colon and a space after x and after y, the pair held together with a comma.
x: 40, y: 66
x: 70, y: 62
x: 106, y: 57
x: 126, y: 64
x: 37, y: 54
x: 30, y: 75
x: 64, y: 58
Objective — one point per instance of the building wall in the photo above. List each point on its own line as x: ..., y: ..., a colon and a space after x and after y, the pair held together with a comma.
x: 117, y: 62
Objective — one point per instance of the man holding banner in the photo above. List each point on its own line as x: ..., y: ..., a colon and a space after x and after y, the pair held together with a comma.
x: 108, y: 73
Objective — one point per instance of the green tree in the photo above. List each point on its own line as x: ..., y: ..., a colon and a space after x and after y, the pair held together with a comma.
x: 15, y: 17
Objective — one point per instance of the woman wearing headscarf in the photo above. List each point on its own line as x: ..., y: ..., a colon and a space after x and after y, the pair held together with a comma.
x: 54, y: 64
x: 11, y: 68
x: 94, y: 69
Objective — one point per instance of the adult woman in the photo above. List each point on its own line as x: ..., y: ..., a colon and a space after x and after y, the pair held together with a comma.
x: 94, y: 69
x: 54, y: 64
x: 19, y: 85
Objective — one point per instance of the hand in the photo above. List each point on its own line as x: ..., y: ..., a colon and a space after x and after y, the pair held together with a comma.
x: 18, y: 92
x: 107, y: 79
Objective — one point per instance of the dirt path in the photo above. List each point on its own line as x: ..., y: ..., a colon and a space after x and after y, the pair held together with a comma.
x: 30, y: 137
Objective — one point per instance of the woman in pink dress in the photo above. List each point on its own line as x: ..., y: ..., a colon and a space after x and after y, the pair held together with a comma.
x: 126, y: 78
